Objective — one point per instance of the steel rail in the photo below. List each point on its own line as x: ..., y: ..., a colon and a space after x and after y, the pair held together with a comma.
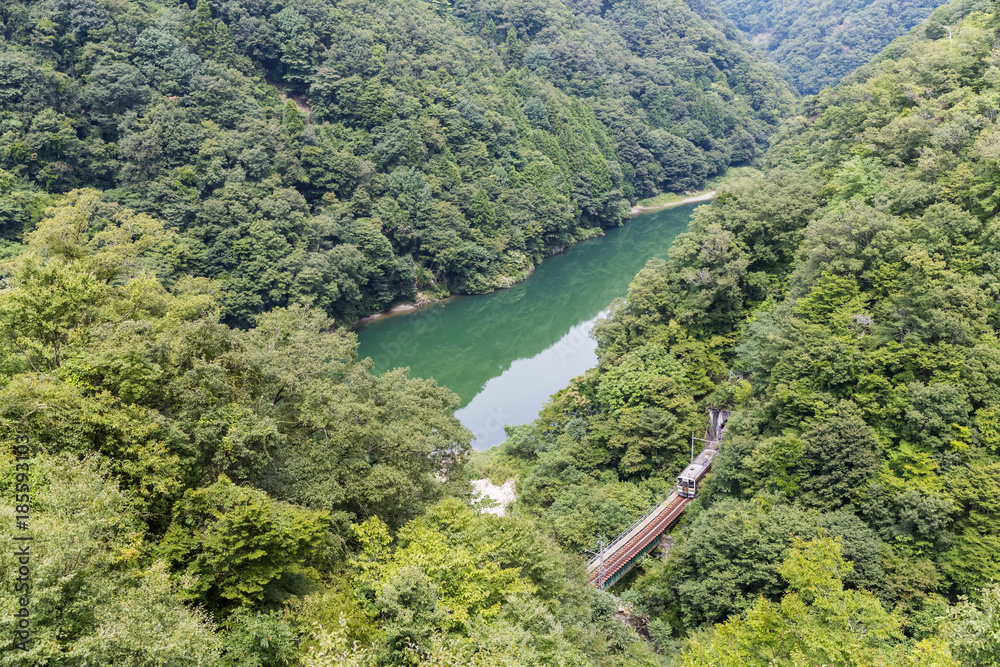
x: 626, y: 534
x: 662, y: 518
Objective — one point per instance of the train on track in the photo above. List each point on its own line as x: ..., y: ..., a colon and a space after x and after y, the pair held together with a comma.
x: 617, y: 558
x: 688, y: 480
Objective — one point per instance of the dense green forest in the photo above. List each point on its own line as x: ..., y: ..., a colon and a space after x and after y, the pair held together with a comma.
x: 344, y: 155
x: 818, y: 43
x: 195, y: 198
x: 844, y: 304
x: 204, y: 495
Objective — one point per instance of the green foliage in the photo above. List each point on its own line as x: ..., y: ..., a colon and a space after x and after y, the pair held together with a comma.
x: 196, y: 484
x: 647, y: 408
x: 828, y: 295
x: 818, y: 43
x: 89, y: 602
x: 840, y: 457
x: 972, y: 627
x: 852, y: 288
x: 817, y: 622
x: 859, y: 177
x: 258, y: 640
x: 972, y: 563
x: 103, y: 358
x: 291, y: 120
x: 267, y: 135
x: 235, y: 545
x: 730, y: 555
x: 470, y: 589
x: 181, y: 462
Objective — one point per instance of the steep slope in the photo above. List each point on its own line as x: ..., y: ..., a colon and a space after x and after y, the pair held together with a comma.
x: 844, y: 305
x: 346, y: 154
x: 818, y: 43
x: 194, y: 494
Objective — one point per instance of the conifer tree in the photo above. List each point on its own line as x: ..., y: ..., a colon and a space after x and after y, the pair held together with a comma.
x: 204, y: 28
x: 513, y: 49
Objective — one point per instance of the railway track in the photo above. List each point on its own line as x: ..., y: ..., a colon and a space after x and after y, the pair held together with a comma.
x: 636, y: 542
x: 617, y: 558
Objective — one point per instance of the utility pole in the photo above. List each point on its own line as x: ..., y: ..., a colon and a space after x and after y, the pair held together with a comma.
x: 600, y: 563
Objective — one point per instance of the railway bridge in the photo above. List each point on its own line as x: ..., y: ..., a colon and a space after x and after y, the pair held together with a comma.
x: 614, y: 560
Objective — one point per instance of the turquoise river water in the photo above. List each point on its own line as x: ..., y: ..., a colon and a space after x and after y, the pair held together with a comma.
x: 507, y: 352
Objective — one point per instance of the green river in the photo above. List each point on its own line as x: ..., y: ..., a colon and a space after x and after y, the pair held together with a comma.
x: 507, y: 352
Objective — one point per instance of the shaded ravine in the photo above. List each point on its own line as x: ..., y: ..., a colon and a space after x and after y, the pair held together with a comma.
x: 505, y: 353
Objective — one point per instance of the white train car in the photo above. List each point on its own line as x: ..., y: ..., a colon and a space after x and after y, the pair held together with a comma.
x: 687, y: 481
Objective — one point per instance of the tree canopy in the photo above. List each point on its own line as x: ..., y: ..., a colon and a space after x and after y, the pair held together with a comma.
x: 347, y: 155
x: 819, y: 43
x: 842, y: 304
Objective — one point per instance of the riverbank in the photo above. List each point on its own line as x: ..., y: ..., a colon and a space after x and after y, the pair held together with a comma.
x: 406, y: 308
x: 706, y: 196
x: 505, y: 353
x: 670, y: 199
x: 400, y: 309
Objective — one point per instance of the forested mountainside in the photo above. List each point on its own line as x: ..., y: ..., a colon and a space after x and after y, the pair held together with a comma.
x: 210, y: 476
x: 344, y: 155
x: 844, y: 305
x: 192, y: 198
x: 818, y: 43
x: 196, y: 494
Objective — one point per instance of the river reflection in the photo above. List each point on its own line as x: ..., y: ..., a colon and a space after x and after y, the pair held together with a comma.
x: 505, y: 353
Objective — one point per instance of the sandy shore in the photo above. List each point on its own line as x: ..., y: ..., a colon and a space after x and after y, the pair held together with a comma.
x: 401, y: 309
x: 638, y: 210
